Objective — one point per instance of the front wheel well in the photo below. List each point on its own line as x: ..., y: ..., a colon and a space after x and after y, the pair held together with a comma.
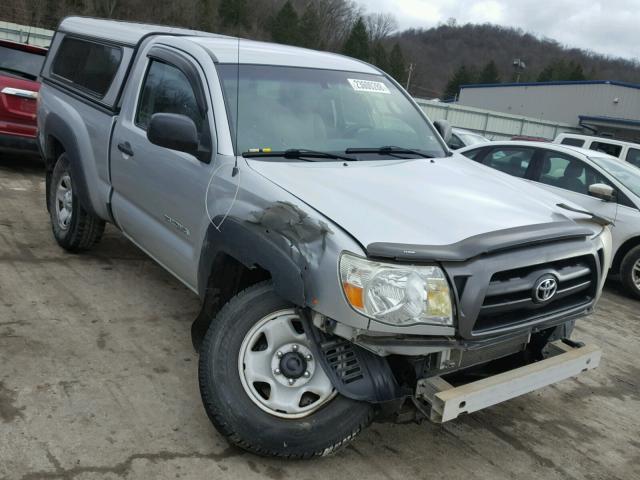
x: 625, y: 248
x: 228, y: 277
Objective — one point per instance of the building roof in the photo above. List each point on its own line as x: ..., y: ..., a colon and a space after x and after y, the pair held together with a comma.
x: 546, y: 84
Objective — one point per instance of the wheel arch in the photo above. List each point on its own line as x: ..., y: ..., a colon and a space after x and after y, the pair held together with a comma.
x: 622, y: 252
x: 59, y: 138
x: 235, y: 257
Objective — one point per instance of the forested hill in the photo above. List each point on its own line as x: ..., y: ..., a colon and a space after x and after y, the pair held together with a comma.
x: 439, y: 53
x: 439, y: 59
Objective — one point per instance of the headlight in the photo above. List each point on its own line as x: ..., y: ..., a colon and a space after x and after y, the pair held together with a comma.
x: 396, y: 294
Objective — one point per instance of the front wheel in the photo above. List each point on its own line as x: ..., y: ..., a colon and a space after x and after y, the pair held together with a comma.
x: 630, y: 272
x: 262, y: 387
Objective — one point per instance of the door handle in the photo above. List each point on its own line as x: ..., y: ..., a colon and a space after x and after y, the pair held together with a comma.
x: 126, y: 148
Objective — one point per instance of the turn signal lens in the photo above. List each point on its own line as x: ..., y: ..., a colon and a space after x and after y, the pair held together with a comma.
x: 354, y: 295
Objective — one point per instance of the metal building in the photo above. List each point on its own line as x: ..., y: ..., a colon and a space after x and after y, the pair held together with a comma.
x: 606, y: 108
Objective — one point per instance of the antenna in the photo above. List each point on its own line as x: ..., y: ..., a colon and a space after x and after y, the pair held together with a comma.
x: 234, y: 172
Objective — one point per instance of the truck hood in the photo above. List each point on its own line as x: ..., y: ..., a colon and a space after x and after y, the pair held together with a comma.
x: 420, y: 202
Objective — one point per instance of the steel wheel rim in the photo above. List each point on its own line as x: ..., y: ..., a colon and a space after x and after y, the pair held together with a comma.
x: 635, y: 274
x: 270, y: 342
x: 64, y: 201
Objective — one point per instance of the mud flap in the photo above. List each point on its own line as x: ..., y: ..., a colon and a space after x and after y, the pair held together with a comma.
x: 355, y: 372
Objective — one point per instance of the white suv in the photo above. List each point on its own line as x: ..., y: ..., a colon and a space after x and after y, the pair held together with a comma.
x: 623, y: 150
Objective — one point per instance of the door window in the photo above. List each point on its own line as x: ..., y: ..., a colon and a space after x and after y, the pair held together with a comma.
x: 574, y: 142
x: 608, y: 148
x: 569, y: 173
x: 512, y: 160
x: 166, y: 89
x: 633, y: 157
x: 455, y: 143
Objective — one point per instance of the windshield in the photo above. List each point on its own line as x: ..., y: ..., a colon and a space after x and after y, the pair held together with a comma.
x: 625, y: 173
x: 20, y: 61
x: 471, y: 138
x: 302, y: 108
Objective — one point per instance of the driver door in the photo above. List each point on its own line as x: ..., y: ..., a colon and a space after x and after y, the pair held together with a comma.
x: 158, y: 193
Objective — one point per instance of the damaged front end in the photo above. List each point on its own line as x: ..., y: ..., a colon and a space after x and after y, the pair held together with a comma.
x: 508, y: 340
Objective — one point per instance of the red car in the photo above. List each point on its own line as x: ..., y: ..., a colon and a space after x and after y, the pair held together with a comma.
x: 19, y: 69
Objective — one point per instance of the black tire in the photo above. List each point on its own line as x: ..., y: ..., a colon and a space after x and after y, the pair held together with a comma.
x: 629, y: 263
x: 84, y: 230
x: 238, y: 418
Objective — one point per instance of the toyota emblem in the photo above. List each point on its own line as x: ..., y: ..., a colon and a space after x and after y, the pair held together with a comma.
x: 545, y: 289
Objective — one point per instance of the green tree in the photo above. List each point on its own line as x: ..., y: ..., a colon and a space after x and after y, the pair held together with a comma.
x: 559, y: 70
x: 310, y: 33
x: 357, y: 44
x: 285, y: 26
x: 576, y: 72
x: 205, y: 15
x: 234, y: 13
x: 546, y: 75
x: 397, y: 64
x: 489, y: 74
x: 462, y: 76
x: 379, y: 56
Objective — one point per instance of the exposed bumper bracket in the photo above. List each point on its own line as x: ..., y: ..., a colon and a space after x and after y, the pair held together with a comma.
x: 564, y: 361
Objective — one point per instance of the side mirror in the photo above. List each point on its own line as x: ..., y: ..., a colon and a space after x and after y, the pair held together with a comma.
x: 444, y: 129
x: 173, y: 131
x: 602, y: 191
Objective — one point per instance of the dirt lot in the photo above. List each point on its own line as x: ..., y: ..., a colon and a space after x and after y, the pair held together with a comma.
x: 98, y: 381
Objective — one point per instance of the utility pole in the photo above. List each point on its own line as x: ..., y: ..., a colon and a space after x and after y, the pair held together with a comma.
x: 519, y: 66
x: 410, y: 69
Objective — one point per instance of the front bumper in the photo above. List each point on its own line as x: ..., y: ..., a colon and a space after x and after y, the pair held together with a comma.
x: 447, y: 402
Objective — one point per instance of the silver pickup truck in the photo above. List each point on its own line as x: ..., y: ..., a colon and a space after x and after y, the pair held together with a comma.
x: 350, y: 267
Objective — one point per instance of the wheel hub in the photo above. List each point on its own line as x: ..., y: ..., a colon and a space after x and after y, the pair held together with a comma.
x: 64, y: 202
x: 636, y: 274
x: 293, y: 365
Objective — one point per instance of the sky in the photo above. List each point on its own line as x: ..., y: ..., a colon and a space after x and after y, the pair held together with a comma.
x: 609, y: 27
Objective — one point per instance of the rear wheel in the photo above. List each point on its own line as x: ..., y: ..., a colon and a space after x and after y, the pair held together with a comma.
x: 73, y: 227
x: 630, y: 272
x: 262, y: 387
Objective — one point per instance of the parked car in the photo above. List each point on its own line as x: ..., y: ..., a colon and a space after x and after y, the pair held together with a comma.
x: 627, y: 151
x: 577, y: 174
x: 345, y: 259
x: 19, y: 69
x: 463, y: 138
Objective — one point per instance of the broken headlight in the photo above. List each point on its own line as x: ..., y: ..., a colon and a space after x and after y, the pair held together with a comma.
x: 396, y: 294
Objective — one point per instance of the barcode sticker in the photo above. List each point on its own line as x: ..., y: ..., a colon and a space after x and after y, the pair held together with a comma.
x: 368, y: 86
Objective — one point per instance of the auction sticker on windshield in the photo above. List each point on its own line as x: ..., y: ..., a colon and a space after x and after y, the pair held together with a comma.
x: 368, y: 86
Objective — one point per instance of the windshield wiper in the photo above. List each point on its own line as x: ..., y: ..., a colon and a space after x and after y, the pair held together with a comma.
x: 390, y: 150
x: 19, y: 73
x: 298, y: 154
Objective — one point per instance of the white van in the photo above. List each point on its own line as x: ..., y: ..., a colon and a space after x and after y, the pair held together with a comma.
x: 624, y: 150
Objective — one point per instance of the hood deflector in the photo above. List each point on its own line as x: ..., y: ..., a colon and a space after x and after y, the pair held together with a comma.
x: 483, y: 244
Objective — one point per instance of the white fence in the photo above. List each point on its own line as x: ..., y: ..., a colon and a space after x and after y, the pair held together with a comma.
x: 25, y: 34
x: 493, y: 125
